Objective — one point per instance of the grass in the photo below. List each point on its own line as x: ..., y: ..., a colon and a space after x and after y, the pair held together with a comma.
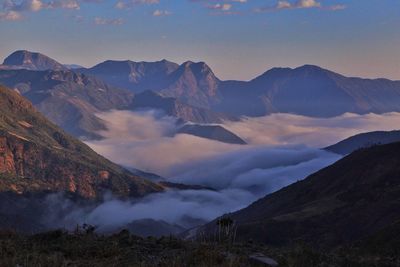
x: 84, y: 247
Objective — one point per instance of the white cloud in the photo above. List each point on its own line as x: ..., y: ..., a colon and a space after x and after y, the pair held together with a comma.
x: 161, y: 13
x: 222, y: 7
x: 104, y: 21
x: 65, y: 4
x: 10, y: 16
x: 145, y: 140
x: 300, y: 4
x: 127, y: 4
x: 283, y: 148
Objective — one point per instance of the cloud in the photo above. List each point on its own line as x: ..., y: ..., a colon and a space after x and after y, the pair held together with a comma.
x: 150, y: 135
x: 104, y: 21
x: 289, y: 129
x: 127, y: 4
x: 65, y: 4
x: 161, y: 13
x: 25, y: 5
x: 222, y: 7
x: 256, y: 169
x: 13, y: 9
x: 283, y: 148
x: 10, y: 16
x: 299, y: 4
x: 186, y: 208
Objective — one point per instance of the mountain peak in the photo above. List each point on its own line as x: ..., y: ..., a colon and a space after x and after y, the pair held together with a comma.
x: 312, y: 69
x: 198, y: 68
x: 24, y: 59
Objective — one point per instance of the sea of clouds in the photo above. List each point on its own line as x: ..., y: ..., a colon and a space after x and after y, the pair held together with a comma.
x: 281, y: 149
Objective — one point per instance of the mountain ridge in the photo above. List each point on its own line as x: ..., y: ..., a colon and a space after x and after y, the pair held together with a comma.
x: 350, y: 201
x: 307, y: 90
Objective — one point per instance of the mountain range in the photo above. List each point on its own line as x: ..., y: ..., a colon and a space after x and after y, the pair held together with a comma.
x: 190, y: 91
x: 354, y: 202
x: 308, y: 90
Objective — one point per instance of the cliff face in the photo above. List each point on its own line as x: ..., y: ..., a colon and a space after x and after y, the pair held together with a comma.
x: 37, y: 156
x: 29, y: 168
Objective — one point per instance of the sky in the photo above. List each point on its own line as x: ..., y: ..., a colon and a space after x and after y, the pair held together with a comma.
x: 239, y: 39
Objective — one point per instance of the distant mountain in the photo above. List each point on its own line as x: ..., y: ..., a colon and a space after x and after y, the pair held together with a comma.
x: 68, y: 99
x: 135, y: 76
x: 23, y: 59
x: 36, y: 156
x: 308, y: 90
x: 364, y: 140
x: 213, y: 132
x: 73, y: 66
x: 354, y: 200
x: 174, y: 107
x: 192, y: 83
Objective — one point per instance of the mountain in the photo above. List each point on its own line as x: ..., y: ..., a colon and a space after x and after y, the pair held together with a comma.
x: 213, y: 132
x: 36, y: 156
x: 68, y: 99
x: 364, y: 140
x: 23, y: 59
x: 310, y: 91
x: 176, y: 108
x: 193, y: 83
x: 135, y: 76
x: 353, y: 200
x: 307, y: 90
x: 73, y: 66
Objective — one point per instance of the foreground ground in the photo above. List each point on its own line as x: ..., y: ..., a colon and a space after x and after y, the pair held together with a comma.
x: 85, y: 248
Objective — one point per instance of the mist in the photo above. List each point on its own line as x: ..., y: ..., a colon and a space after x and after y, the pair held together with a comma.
x: 282, y: 149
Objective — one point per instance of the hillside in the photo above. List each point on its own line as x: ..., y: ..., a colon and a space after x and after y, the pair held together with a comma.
x: 37, y: 156
x: 355, y: 200
x: 364, y: 140
x: 176, y: 108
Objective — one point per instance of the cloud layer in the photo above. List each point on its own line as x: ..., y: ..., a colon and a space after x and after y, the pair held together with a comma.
x: 282, y: 149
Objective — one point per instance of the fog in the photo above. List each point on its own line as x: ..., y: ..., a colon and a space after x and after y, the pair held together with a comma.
x: 283, y: 129
x: 282, y: 149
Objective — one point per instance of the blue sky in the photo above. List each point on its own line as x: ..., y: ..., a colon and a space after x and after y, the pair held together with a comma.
x: 239, y: 39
